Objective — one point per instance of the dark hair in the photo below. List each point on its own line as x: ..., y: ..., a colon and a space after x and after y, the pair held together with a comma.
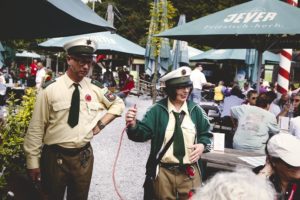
x: 262, y: 100
x: 272, y: 95
x: 198, y: 64
x: 250, y: 93
x: 171, y: 91
x: 236, y: 91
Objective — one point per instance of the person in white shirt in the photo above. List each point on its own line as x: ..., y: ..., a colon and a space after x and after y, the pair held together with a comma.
x: 40, y: 74
x: 295, y: 126
x: 198, y: 79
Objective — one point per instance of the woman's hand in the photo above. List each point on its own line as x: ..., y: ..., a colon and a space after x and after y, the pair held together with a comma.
x: 130, y: 117
x: 197, y: 150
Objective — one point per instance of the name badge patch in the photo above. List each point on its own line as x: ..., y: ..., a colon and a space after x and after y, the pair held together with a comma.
x: 110, y: 96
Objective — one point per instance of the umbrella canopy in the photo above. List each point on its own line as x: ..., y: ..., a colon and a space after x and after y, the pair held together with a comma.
x: 180, y: 49
x: 193, y: 51
x: 1, y: 47
x: 164, y: 58
x: 107, y: 42
x: 259, y: 24
x: 48, y: 18
x: 232, y: 54
x: 27, y: 54
x: 1, y: 60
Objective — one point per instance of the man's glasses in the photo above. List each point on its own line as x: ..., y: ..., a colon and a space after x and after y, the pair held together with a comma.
x: 82, y: 61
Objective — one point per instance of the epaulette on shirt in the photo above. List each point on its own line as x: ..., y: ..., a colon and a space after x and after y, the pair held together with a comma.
x: 46, y: 84
x: 97, y: 83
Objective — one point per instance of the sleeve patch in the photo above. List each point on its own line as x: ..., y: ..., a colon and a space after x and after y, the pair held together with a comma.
x: 110, y: 96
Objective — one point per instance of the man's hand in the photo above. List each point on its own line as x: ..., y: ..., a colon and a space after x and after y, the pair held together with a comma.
x: 197, y: 150
x: 34, y: 174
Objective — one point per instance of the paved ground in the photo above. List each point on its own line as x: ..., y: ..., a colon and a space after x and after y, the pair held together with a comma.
x: 130, y: 169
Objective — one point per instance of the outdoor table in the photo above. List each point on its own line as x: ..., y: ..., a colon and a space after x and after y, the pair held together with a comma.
x: 228, y: 160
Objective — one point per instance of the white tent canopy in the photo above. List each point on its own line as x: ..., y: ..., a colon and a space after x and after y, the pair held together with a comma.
x: 28, y: 54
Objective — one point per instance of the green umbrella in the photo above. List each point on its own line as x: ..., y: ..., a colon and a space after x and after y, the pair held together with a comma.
x: 23, y: 19
x: 180, y: 52
x: 164, y: 57
x: 259, y: 24
x: 232, y: 54
x: 107, y: 42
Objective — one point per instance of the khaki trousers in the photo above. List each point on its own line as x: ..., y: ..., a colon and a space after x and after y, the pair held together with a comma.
x: 175, y: 184
x: 60, y: 171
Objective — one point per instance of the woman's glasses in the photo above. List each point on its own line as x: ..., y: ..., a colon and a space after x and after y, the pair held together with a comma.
x: 296, y: 100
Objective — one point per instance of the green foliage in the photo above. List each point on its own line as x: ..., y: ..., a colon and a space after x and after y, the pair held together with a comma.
x: 12, y: 132
x: 160, y: 21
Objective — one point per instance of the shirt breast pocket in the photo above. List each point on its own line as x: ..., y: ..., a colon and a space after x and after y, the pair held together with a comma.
x: 94, y: 107
x: 189, y: 129
x: 60, y: 106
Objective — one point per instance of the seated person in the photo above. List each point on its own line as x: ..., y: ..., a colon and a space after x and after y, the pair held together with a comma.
x: 282, y: 167
x: 129, y: 85
x: 234, y: 99
x: 295, y: 123
x: 218, y: 90
x: 238, y: 185
x: 251, y: 98
x: 255, y: 125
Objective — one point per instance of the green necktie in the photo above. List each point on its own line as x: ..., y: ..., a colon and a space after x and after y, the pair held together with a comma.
x: 178, y: 144
x: 74, y: 110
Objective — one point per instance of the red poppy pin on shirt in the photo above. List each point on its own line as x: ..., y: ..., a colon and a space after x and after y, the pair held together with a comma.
x: 88, y: 98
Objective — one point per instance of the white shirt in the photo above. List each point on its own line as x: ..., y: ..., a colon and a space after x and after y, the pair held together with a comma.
x: 295, y: 126
x: 198, y: 79
x: 40, y: 74
x: 274, y: 108
x: 188, y: 130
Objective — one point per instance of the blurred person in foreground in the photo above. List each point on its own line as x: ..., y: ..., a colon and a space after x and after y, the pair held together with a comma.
x: 241, y: 184
x: 68, y: 113
x: 255, y: 125
x: 179, y: 133
x: 282, y: 167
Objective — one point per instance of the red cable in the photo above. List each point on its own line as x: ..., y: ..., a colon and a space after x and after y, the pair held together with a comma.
x: 115, y: 163
x: 116, y: 160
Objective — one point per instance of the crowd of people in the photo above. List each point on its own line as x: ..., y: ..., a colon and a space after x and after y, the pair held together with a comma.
x: 173, y: 169
x: 59, y: 155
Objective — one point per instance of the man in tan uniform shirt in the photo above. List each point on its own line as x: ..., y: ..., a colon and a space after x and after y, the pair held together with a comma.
x: 58, y: 154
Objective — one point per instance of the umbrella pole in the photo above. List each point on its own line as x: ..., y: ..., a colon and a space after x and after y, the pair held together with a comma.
x: 154, y: 80
x: 259, y: 65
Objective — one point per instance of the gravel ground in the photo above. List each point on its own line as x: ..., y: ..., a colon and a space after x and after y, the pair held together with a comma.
x: 130, y: 169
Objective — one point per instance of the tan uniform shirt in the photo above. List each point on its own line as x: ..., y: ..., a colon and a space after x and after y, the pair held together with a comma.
x: 188, y: 130
x: 49, y: 120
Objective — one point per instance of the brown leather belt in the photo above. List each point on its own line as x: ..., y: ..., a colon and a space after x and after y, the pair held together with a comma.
x: 66, y: 151
x: 175, y: 166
